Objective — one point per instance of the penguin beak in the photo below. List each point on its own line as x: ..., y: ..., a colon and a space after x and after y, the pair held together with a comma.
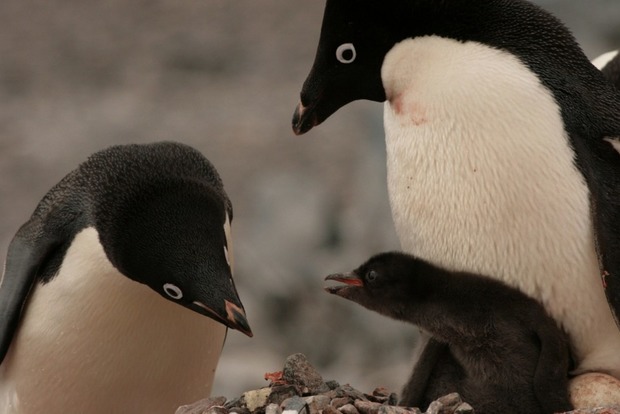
x: 304, y: 119
x: 350, y: 279
x: 237, y: 319
x: 235, y: 316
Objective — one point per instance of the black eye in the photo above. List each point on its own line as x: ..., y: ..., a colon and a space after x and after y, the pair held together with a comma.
x: 173, y: 291
x: 346, y: 53
x: 371, y: 276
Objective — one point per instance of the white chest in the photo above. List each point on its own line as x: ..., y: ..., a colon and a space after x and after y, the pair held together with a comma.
x: 94, y: 341
x: 481, y: 178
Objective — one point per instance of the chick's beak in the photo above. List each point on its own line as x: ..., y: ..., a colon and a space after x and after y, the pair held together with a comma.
x: 350, y: 279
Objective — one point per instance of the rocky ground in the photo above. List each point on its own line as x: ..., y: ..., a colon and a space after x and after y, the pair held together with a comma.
x: 300, y: 389
x: 224, y: 76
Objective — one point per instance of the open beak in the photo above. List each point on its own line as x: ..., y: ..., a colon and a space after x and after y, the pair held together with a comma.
x: 350, y: 280
x: 235, y: 316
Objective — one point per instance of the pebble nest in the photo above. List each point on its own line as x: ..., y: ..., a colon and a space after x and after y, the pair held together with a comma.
x: 300, y: 389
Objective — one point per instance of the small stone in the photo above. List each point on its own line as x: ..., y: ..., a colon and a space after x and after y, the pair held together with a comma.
x: 435, y: 408
x: 332, y: 385
x: 256, y: 399
x: 367, y: 407
x: 202, y: 406
x: 282, y: 392
x: 273, y: 409
x: 317, y: 403
x: 237, y: 410
x: 450, y: 402
x: 340, y: 401
x: 391, y: 409
x: 330, y: 410
x: 294, y: 405
x: 235, y: 402
x: 392, y: 399
x: 381, y: 392
x: 464, y: 408
x: 348, y: 391
x: 298, y: 371
x: 217, y: 409
x: 348, y: 409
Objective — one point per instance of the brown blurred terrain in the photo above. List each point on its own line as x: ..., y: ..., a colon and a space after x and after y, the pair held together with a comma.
x: 224, y: 76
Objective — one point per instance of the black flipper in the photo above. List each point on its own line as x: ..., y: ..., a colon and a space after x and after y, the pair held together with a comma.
x: 36, y: 252
x: 414, y: 392
x: 550, y: 379
x: 25, y: 256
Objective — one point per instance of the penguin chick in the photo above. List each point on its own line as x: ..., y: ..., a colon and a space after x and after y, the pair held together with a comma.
x: 90, y: 320
x: 495, y: 346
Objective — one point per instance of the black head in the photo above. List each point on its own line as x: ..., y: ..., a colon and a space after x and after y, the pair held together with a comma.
x: 172, y: 238
x: 163, y: 220
x: 382, y: 283
x: 357, y: 34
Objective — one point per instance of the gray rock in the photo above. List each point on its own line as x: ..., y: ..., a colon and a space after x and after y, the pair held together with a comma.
x: 280, y: 393
x: 348, y: 391
x: 435, y: 407
x: 391, y: 409
x: 237, y: 409
x: 367, y: 407
x: 348, y: 409
x: 298, y: 371
x: 340, y: 401
x: 450, y: 402
x: 295, y: 404
x: 317, y: 403
x: 464, y: 408
x: 217, y: 409
x: 273, y: 409
x: 202, y: 406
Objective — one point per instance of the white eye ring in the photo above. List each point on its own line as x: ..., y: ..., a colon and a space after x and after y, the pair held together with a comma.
x: 342, y: 49
x: 173, y: 291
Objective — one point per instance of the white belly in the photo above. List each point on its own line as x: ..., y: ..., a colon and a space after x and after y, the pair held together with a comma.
x: 481, y: 178
x: 98, y: 342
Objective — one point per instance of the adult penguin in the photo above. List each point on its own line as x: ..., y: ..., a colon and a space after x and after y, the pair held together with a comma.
x: 499, y: 137
x: 106, y: 287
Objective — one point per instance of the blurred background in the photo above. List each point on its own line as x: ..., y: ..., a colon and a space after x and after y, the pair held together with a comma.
x: 224, y: 76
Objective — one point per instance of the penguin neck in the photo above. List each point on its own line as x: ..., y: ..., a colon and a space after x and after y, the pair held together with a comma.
x: 482, y: 177
x: 124, y: 348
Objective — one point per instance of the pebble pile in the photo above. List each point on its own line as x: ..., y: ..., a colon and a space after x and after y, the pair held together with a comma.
x: 300, y: 389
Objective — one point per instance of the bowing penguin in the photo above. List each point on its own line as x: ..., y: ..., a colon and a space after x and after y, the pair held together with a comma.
x: 118, y: 291
x: 500, y: 148
x: 496, y: 347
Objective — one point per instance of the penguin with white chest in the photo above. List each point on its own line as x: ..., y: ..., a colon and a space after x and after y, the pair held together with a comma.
x: 500, y: 155
x: 106, y: 288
